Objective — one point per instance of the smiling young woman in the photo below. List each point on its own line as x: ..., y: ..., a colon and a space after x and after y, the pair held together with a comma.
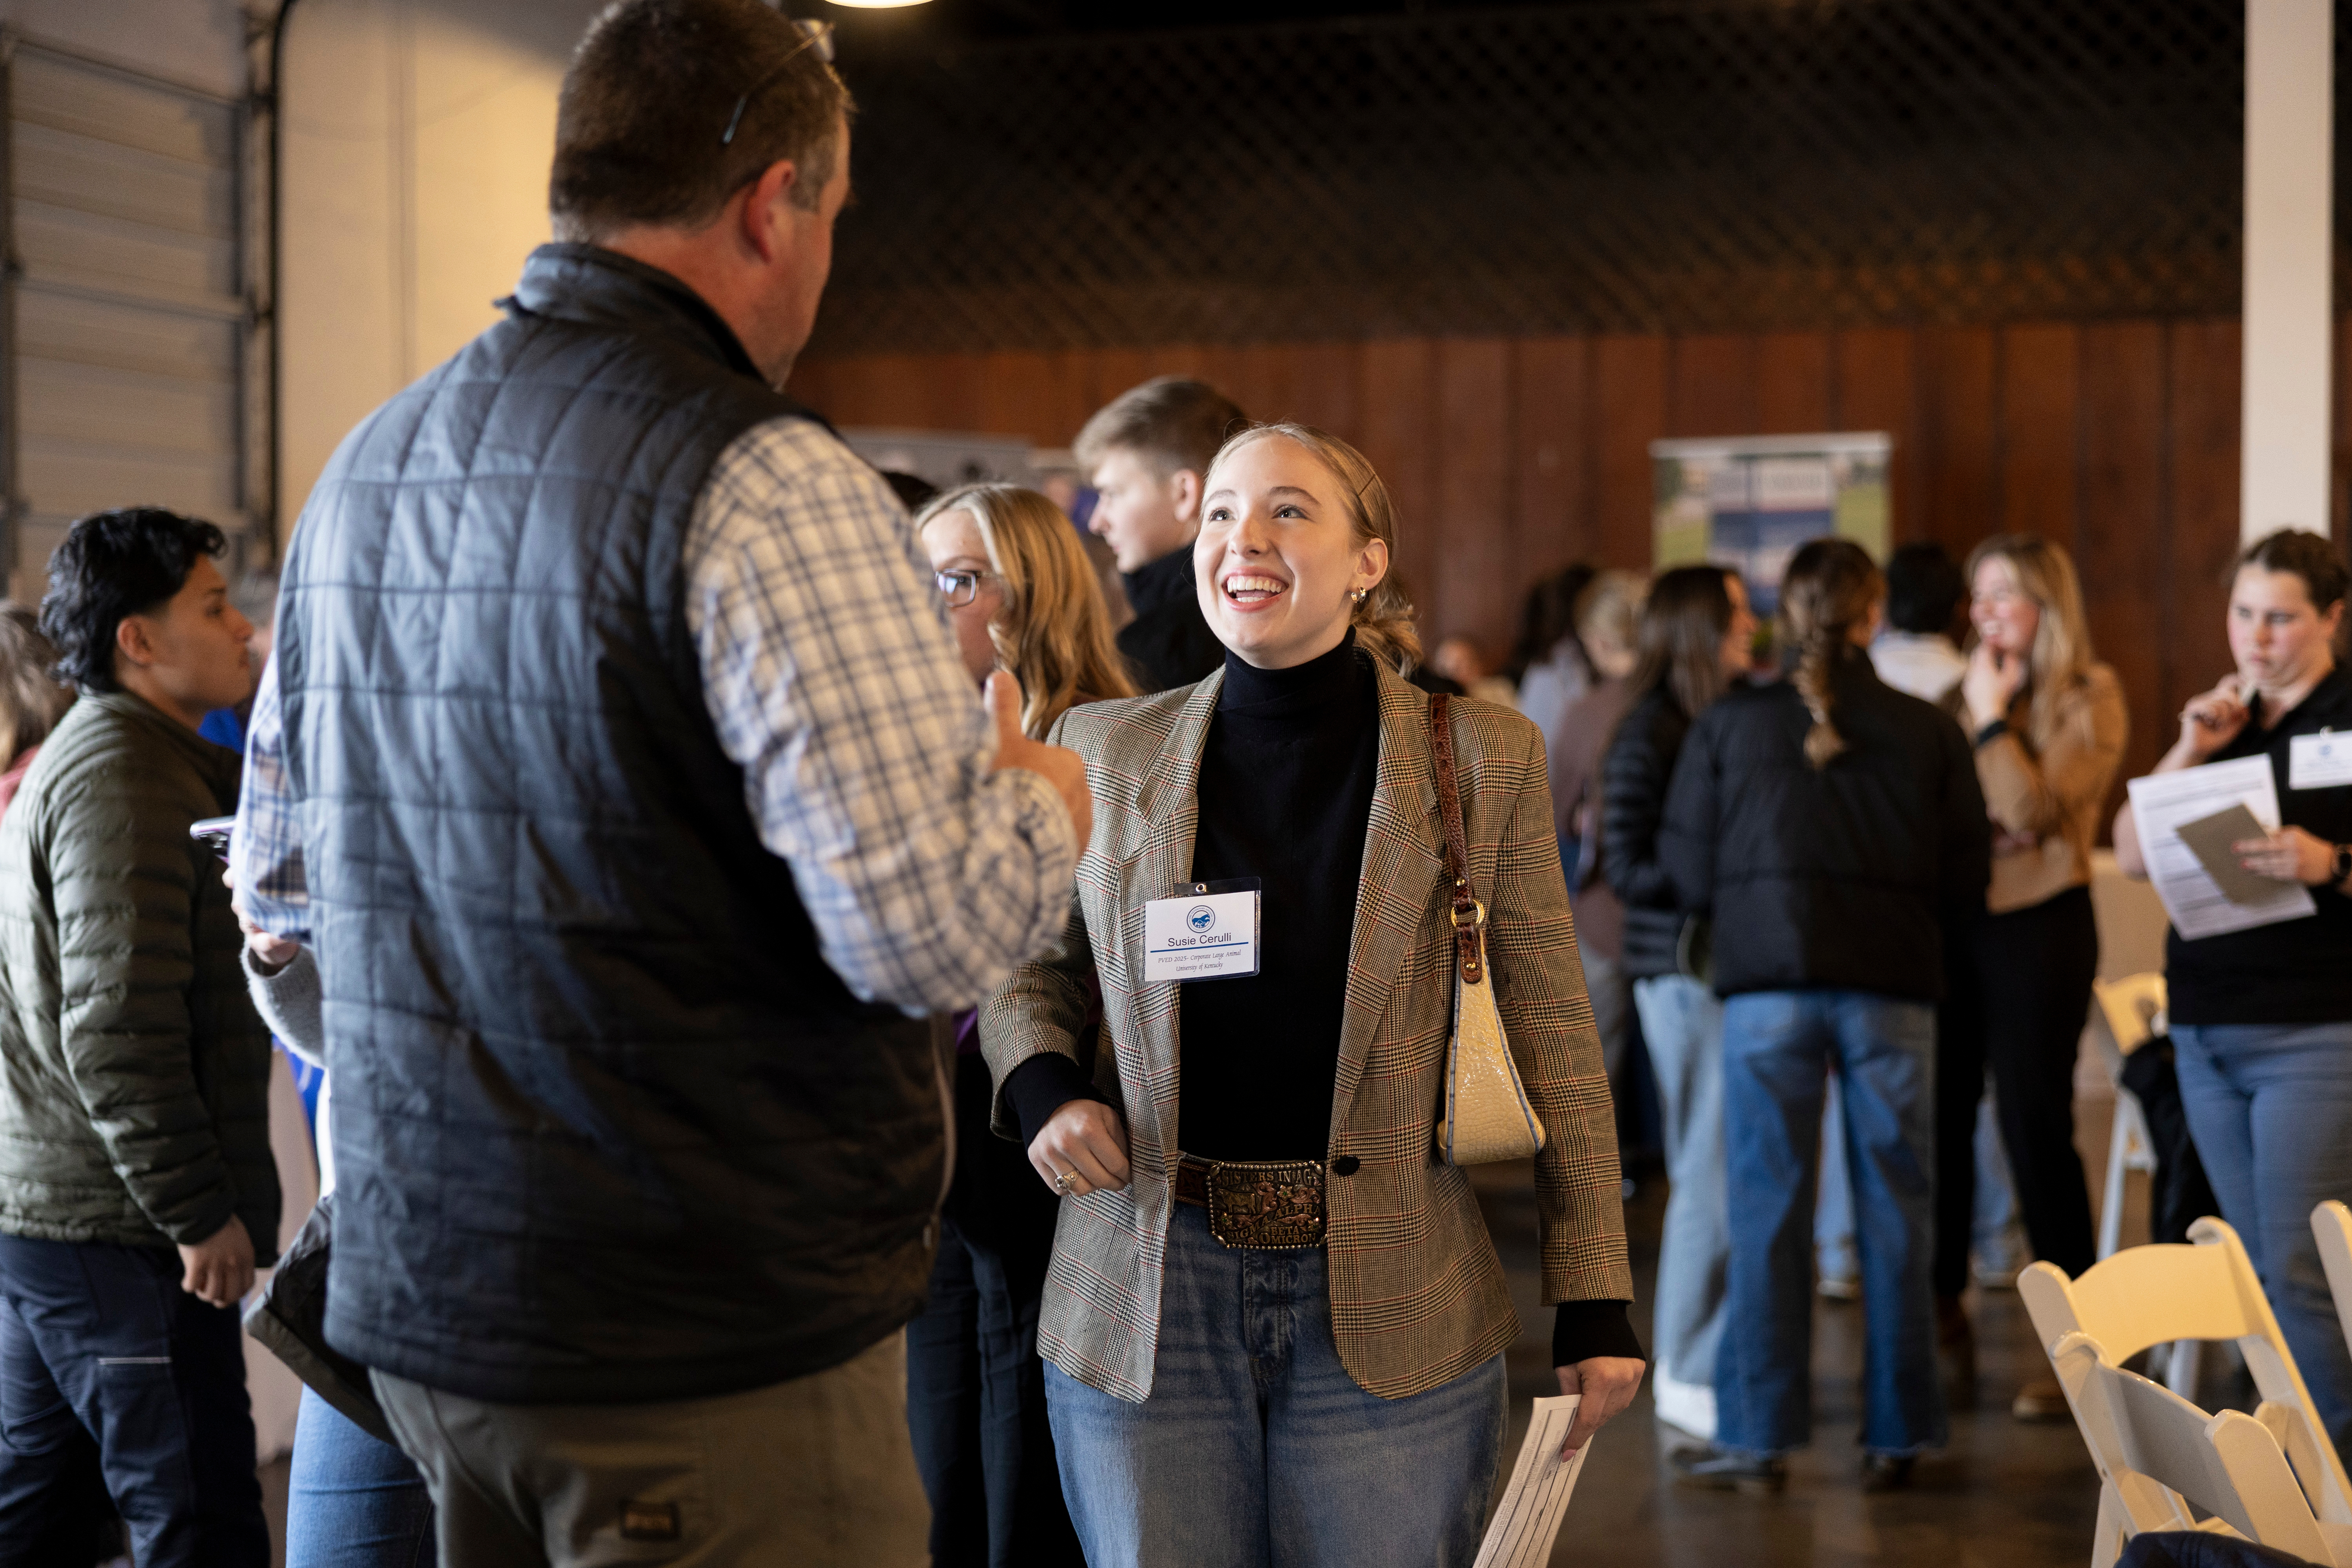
x: 2262, y: 1019
x: 1361, y: 1420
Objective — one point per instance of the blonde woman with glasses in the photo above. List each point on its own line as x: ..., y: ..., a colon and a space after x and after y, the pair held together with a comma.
x: 1275, y: 1322
x: 2047, y: 725
x: 1021, y: 596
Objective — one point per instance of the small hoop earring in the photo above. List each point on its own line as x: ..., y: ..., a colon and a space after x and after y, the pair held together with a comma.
x: 1359, y: 594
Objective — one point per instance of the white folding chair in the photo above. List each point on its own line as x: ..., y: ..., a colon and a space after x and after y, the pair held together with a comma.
x: 2157, y: 1455
x: 2145, y: 1295
x: 2125, y: 1011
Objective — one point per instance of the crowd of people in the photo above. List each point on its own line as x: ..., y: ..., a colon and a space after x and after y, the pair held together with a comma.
x: 736, y: 904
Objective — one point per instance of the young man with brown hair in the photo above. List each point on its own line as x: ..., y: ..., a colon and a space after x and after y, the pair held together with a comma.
x: 618, y: 763
x: 1145, y: 452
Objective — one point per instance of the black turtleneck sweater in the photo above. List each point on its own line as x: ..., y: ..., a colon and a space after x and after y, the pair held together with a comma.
x: 1286, y: 795
x: 1168, y: 643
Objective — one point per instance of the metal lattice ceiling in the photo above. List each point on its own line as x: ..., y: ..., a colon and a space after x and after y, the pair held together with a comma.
x: 1686, y: 167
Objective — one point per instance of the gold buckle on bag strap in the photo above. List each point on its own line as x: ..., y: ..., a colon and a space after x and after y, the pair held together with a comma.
x: 1271, y: 1206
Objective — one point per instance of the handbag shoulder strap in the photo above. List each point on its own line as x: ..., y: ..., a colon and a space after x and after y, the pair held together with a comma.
x: 1468, y: 950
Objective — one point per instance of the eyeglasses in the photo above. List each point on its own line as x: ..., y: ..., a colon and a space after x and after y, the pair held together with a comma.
x: 818, y: 36
x: 959, y: 588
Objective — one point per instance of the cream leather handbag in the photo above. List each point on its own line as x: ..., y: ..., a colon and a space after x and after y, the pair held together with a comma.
x: 1487, y: 1116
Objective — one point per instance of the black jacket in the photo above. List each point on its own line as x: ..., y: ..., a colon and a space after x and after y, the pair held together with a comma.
x: 1633, y: 779
x: 1169, y: 644
x: 607, y: 1127
x: 1837, y: 878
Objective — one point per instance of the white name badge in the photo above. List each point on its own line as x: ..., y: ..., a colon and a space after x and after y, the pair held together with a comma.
x: 1207, y: 931
x: 2319, y: 761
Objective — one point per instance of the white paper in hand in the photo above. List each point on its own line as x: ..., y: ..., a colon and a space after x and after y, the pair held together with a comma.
x: 1526, y: 1521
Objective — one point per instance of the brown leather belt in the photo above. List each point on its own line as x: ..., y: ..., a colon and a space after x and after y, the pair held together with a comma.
x: 1271, y: 1206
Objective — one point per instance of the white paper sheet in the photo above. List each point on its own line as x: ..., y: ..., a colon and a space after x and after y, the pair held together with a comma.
x: 2162, y: 802
x: 1527, y: 1521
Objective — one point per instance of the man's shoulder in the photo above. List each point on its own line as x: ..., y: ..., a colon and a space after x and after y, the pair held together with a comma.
x: 795, y: 457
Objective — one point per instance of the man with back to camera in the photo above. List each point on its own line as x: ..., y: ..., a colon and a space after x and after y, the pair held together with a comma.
x: 618, y: 765
x: 1146, y: 452
x: 138, y: 1191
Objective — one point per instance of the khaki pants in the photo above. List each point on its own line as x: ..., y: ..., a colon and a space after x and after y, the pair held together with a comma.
x: 809, y: 1473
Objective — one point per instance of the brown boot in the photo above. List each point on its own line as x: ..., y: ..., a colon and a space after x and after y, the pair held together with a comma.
x: 2041, y: 1400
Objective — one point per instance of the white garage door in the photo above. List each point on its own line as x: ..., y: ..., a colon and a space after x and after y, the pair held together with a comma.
x: 126, y: 358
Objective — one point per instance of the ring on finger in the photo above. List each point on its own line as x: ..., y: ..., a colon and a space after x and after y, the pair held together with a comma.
x: 1062, y: 1182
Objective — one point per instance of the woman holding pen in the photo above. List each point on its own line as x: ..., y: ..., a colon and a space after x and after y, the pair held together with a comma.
x: 2262, y: 1019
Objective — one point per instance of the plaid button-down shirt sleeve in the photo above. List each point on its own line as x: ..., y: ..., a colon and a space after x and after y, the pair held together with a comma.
x: 831, y: 674
x: 834, y: 681
x: 265, y: 851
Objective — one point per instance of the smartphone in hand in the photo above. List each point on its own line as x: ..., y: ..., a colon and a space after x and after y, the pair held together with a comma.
x: 213, y: 831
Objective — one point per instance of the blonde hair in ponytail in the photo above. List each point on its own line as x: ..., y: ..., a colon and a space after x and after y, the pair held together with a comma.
x: 1831, y: 588
x: 1383, y: 619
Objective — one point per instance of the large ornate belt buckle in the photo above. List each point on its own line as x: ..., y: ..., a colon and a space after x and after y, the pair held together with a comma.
x: 1269, y: 1205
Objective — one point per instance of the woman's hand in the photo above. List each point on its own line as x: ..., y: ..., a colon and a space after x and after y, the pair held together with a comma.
x: 1608, y: 1383
x: 2290, y: 855
x: 271, y: 953
x: 1085, y: 1141
x: 1991, y: 684
x: 2210, y: 721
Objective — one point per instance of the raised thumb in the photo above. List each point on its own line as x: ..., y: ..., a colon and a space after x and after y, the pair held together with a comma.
x: 1005, y: 705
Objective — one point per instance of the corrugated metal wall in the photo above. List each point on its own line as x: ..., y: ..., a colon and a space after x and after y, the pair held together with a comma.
x: 126, y: 363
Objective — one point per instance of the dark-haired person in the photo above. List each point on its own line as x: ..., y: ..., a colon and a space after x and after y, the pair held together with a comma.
x: 631, y: 795
x: 1145, y: 453
x: 1829, y: 822
x: 2262, y: 1019
x: 1693, y: 644
x: 1914, y: 652
x: 1549, y: 667
x: 138, y: 1192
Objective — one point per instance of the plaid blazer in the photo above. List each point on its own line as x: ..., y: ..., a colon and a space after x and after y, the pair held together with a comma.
x: 1417, y: 1294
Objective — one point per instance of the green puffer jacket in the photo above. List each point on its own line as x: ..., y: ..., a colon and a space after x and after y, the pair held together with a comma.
x: 133, y: 1070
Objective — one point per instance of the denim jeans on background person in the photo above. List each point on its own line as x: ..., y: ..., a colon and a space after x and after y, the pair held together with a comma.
x: 2270, y: 1108
x: 1992, y: 1206
x: 98, y: 1339
x: 1778, y: 1049
x: 352, y: 1500
x: 1683, y: 1025
x: 1256, y: 1449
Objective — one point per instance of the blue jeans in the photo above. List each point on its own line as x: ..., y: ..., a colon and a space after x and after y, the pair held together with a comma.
x: 1778, y: 1049
x: 98, y: 1342
x: 353, y: 1501
x: 1682, y: 1024
x: 2270, y: 1107
x: 1256, y: 1449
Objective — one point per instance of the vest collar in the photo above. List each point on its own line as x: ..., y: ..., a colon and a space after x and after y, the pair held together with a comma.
x: 589, y: 284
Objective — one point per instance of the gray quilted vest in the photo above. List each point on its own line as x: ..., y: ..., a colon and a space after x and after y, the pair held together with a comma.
x: 606, y: 1127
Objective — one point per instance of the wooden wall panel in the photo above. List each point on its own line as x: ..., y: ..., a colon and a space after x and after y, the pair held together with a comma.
x: 1958, y: 449
x: 2202, y: 440
x: 1509, y: 459
x: 2123, y: 520
x: 1468, y: 587
x: 1711, y: 389
x: 2037, y: 429
x: 1400, y: 429
x: 1630, y: 377
x: 1792, y: 383
x: 1556, y: 470
x: 1876, y: 386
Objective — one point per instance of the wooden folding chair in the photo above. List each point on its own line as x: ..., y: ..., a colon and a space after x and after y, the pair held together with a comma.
x: 2145, y: 1295
x: 2331, y: 1226
x: 2157, y: 1455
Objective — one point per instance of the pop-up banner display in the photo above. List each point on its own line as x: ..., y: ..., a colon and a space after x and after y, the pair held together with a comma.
x: 1746, y: 502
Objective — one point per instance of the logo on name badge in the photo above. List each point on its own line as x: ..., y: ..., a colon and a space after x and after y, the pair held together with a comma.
x: 1201, y: 918
x: 648, y: 1520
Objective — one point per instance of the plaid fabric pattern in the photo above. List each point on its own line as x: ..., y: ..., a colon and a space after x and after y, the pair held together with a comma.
x: 834, y: 681
x: 1417, y: 1294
